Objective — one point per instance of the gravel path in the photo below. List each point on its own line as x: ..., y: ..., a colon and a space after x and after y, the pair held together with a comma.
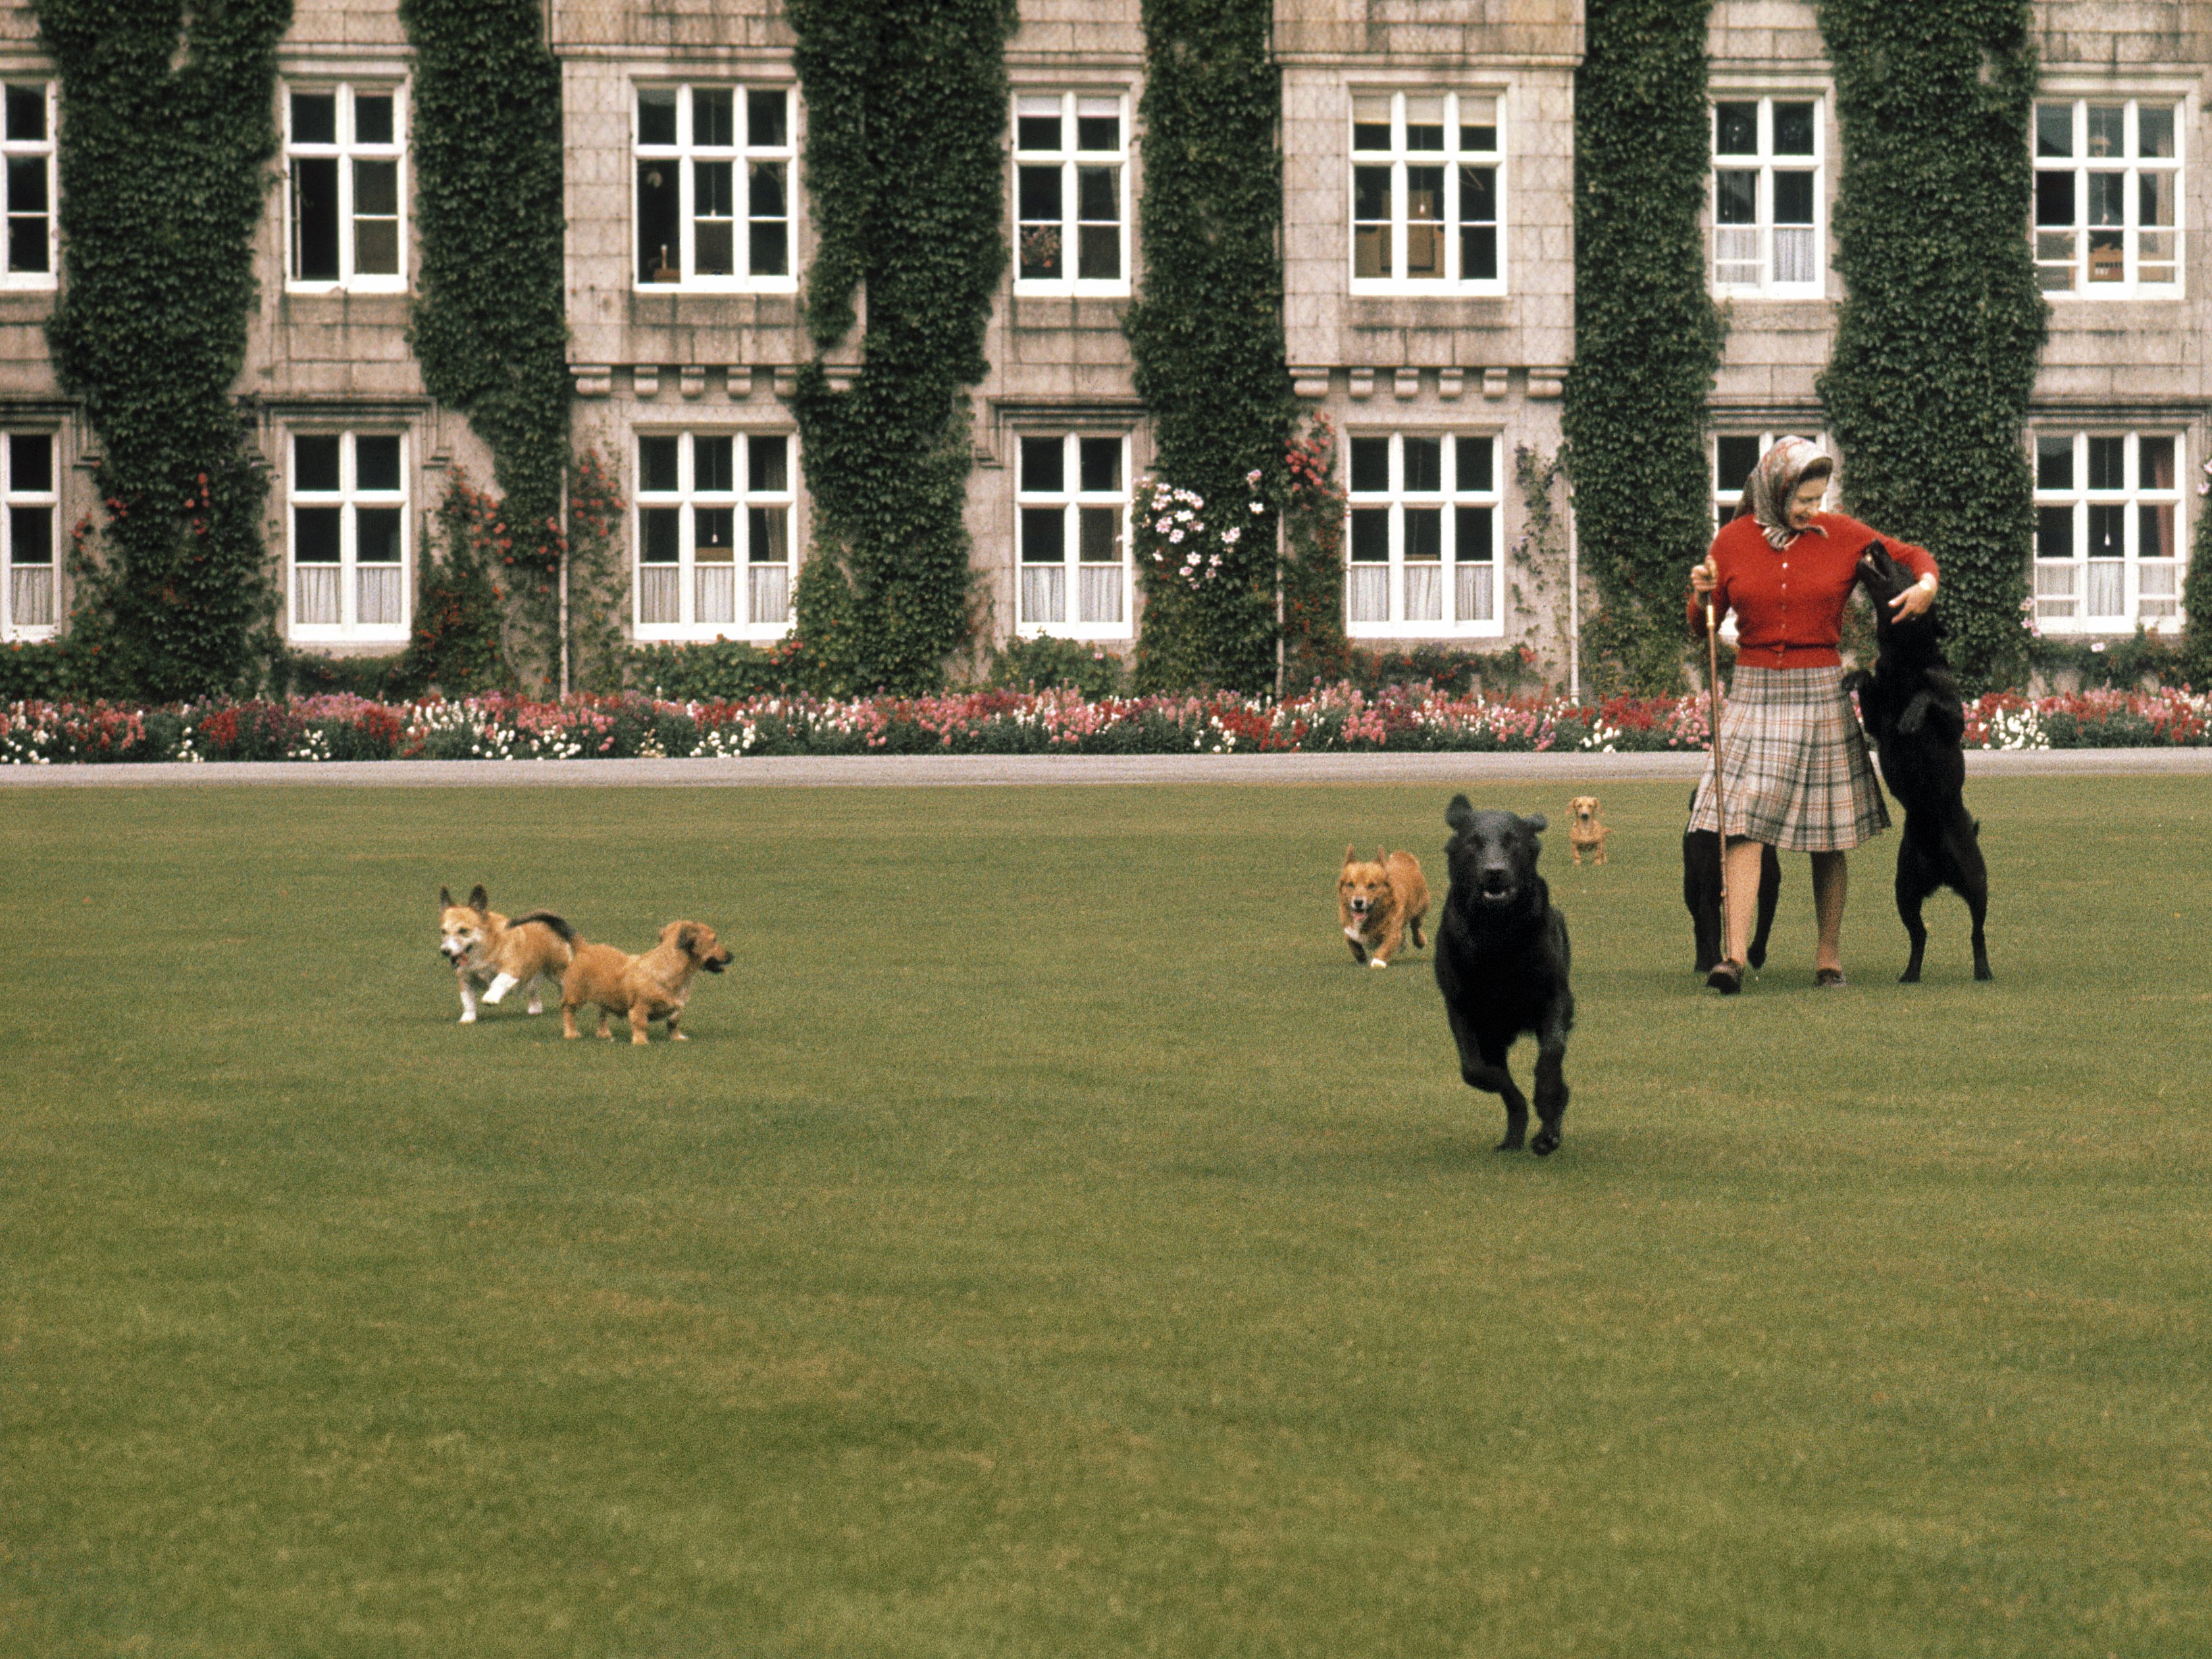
x: 909, y: 771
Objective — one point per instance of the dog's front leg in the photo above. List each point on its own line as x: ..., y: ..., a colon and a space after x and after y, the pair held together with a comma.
x: 1393, y: 933
x: 501, y: 984
x: 1916, y: 880
x: 1482, y: 1066
x: 468, y: 996
x: 1551, y: 1091
x: 1351, y: 938
x: 568, y: 1020
x: 537, y: 984
x: 639, y: 1017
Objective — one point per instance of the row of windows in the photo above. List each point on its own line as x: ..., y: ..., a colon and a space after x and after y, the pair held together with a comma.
x: 715, y: 182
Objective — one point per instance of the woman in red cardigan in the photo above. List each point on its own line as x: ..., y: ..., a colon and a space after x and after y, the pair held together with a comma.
x: 1795, y: 773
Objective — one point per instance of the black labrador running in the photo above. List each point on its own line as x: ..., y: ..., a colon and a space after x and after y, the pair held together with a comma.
x: 1502, y: 961
x: 1912, y: 708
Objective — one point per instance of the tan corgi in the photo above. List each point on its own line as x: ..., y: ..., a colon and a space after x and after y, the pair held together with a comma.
x: 482, y: 945
x: 1378, y: 903
x: 1586, y: 832
x: 654, y: 986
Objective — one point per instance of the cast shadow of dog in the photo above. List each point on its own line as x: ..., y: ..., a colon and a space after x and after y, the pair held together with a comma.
x: 1910, y: 707
x: 1502, y: 961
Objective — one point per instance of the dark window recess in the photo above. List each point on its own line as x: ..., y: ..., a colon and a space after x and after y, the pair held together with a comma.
x: 372, y: 118
x: 656, y: 465
x: 660, y: 238
x: 2108, y: 532
x: 376, y: 535
x: 2054, y: 533
x: 315, y: 535
x: 769, y: 248
x: 767, y: 204
x: 1481, y: 140
x: 31, y: 465
x: 1039, y: 194
x: 1474, y: 535
x: 656, y: 118
x: 713, y: 467
x: 2108, y: 198
x: 713, y: 119
x: 1477, y: 475
x: 714, y: 533
x: 1044, y: 535
x: 315, y: 218
x: 2054, y: 463
x: 1100, y: 463
x: 659, y: 538
x: 27, y: 213
x: 1425, y: 534
x: 1370, y: 466
x: 1044, y: 471
x: 768, y: 469
x: 1036, y: 132
x: 765, y: 120
x: 1793, y: 198
x: 315, y: 463
x: 1370, y: 193
x: 2054, y: 199
x: 1100, y: 529
x: 376, y: 218
x: 1370, y: 535
x: 1425, y: 464
x: 768, y: 527
x: 2108, y: 463
x: 1736, y: 129
x: 26, y: 114
x: 1423, y: 135
x: 31, y: 535
x: 376, y: 463
x: 714, y: 245
x: 1736, y: 198
x: 1478, y: 254
x: 1370, y: 135
x: 1793, y: 129
x: 2054, y: 129
x: 1737, y: 456
x: 314, y: 117
x: 1098, y: 132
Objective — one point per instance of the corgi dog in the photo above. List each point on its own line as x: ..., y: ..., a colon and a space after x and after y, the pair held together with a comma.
x: 654, y: 986
x: 1378, y: 903
x: 1585, y: 832
x: 480, y: 944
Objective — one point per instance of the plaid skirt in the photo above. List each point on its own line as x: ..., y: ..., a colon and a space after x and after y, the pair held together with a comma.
x: 1794, y: 764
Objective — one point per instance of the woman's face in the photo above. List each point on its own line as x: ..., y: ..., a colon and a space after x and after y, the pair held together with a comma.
x: 1805, y: 501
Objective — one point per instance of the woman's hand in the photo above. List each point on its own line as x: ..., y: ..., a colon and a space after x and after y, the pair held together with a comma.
x: 1704, y: 577
x: 1914, y: 601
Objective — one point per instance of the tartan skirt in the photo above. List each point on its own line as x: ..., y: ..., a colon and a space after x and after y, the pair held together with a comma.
x: 1794, y: 764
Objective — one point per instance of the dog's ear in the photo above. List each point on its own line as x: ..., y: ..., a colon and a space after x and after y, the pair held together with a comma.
x: 1349, y: 856
x: 687, y: 939
x: 1382, y: 854
x: 445, y: 899
x: 1537, y: 822
x: 1459, y: 814
x: 479, y: 899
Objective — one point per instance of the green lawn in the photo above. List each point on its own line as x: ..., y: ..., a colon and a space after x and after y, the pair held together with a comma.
x: 1051, y: 1243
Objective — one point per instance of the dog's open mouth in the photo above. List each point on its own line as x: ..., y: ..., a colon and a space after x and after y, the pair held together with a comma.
x: 711, y: 966
x: 1495, y: 889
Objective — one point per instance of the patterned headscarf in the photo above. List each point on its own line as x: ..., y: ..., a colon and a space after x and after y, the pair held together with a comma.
x: 1775, y: 480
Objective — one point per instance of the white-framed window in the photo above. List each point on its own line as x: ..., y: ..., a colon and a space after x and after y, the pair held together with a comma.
x: 348, y: 497
x: 27, y: 147
x: 1769, y: 209
x: 1072, y: 499
x: 2109, y: 552
x: 1428, y: 192
x: 28, y: 507
x: 1071, y: 194
x: 345, y: 159
x: 2108, y: 197
x: 1425, y: 549
x: 1735, y: 457
x: 713, y: 535
x: 714, y: 191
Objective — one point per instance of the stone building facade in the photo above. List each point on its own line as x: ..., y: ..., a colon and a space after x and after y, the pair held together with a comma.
x: 1429, y: 274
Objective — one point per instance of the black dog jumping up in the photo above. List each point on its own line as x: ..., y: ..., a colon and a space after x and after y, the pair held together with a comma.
x: 1501, y: 962
x: 1911, y: 706
x: 1701, y: 894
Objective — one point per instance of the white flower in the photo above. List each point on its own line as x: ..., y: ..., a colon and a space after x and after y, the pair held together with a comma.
x: 1231, y: 535
x: 1174, y: 535
x: 1252, y: 477
x: 1163, y: 526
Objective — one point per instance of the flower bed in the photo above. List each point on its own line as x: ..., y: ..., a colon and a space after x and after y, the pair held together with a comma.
x: 1329, y: 719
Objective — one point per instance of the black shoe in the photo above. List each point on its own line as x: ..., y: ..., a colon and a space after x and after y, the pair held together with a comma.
x: 1727, y: 978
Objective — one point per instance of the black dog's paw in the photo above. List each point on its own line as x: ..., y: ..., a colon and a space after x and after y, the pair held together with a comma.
x: 1909, y: 977
x: 1546, y: 1143
x: 1757, y: 957
x: 1983, y: 972
x: 1510, y: 1144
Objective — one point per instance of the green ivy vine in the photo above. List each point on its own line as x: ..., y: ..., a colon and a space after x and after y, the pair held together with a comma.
x: 1314, y: 507
x: 166, y: 127
x: 1207, y: 330
x: 1937, y: 341
x: 906, y: 114
x: 490, y: 324
x: 1647, y: 337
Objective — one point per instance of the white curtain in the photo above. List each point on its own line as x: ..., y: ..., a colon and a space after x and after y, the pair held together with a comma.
x: 1793, y: 253
x: 1044, y: 592
x: 659, y: 594
x: 2107, y: 588
x: 1477, y: 596
x: 1424, y: 593
x: 717, y: 594
x: 1369, y: 593
x: 317, y: 599
x: 31, y: 596
x: 1735, y: 254
x: 1100, y: 592
x: 771, y: 592
x: 380, y: 595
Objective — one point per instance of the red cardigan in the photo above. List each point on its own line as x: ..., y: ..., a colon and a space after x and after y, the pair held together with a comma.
x: 1789, y: 605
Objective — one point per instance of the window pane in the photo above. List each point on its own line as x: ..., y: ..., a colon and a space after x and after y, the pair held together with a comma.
x: 2054, y: 533
x: 1736, y: 129
x: 27, y: 184
x: 314, y: 463
x: 2108, y: 532
x: 372, y: 118
x: 1425, y: 464
x: 1734, y: 459
x: 659, y: 238
x: 1477, y: 195
x: 656, y: 116
x: 1425, y: 124
x: 1473, y: 534
x: 2107, y: 198
x: 660, y: 535
x: 713, y: 117
x: 1370, y: 124
x: 1425, y: 533
x: 1370, y: 251
x: 376, y: 463
x: 2157, y: 465
x: 767, y: 115
x: 1425, y: 210
x: 1793, y: 198
x: 1044, y: 535
x: 1476, y: 474
x: 2054, y: 198
x: 767, y: 465
x: 1370, y: 193
x: 314, y: 117
x: 1425, y: 591
x: 30, y: 464
x: 1370, y: 466
x: 376, y: 188
x: 656, y: 465
x: 1099, y: 462
x: 2108, y: 463
x: 2054, y: 129
x: 2154, y: 198
x: 1099, y: 124
x: 1370, y: 535
x: 2154, y: 131
x: 713, y: 534
x: 315, y: 219
x: 2054, y: 463
x: 2154, y: 531
x: 1037, y: 126
x: 769, y: 247
x: 315, y: 535
x: 770, y: 528
x: 1793, y: 129
x: 1736, y: 198
x: 28, y: 241
x: 1478, y: 123
x: 376, y: 223
x: 1098, y: 194
x: 2107, y: 129
x: 713, y: 472
x: 376, y: 535
x: 1478, y: 254
x: 26, y: 114
x: 1044, y: 468
x: 1039, y: 194
x: 31, y: 537
x: 1098, y: 252
x: 1100, y: 535
x: 713, y: 247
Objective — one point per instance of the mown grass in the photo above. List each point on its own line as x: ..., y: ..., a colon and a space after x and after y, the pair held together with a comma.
x: 1052, y: 1244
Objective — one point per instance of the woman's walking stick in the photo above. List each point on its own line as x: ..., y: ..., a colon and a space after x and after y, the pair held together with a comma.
x: 1713, y: 717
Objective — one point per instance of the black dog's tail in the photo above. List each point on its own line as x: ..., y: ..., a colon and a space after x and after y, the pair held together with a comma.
x: 567, y: 934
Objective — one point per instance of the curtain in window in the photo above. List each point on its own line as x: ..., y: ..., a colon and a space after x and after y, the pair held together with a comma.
x: 1100, y: 593
x: 318, y: 599
x: 31, y: 596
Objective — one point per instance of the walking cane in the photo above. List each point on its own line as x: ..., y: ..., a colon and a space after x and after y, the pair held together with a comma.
x: 1713, y: 717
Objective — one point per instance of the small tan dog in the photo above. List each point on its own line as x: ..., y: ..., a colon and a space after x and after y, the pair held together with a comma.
x: 654, y: 986
x: 483, y: 944
x: 1378, y: 902
x: 1585, y: 832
